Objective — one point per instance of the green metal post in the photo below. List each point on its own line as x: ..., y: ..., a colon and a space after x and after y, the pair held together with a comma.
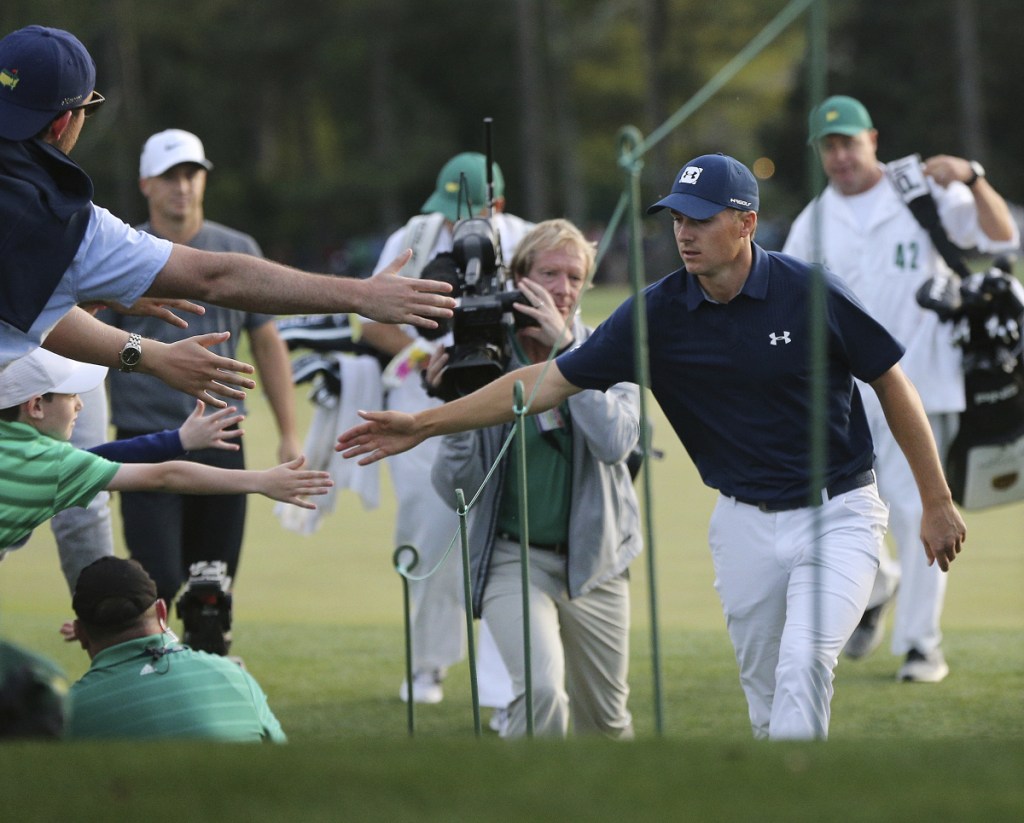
x: 467, y: 591
x: 629, y: 140
x: 403, y: 568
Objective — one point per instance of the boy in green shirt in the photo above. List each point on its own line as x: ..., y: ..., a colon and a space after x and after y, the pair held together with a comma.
x: 41, y: 473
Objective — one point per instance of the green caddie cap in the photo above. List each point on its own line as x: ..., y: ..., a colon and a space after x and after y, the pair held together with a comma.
x: 838, y: 115
x: 450, y: 198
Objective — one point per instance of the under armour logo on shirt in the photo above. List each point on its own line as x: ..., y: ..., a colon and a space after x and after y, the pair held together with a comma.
x: 690, y: 174
x: 777, y: 338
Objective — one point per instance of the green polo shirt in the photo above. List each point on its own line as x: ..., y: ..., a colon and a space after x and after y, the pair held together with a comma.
x: 40, y: 476
x: 548, y: 481
x: 154, y: 687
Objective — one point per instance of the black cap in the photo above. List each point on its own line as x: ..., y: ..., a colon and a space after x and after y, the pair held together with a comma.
x: 112, y: 591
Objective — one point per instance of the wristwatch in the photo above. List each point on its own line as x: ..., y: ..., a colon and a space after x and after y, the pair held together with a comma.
x: 977, y: 170
x: 131, y: 353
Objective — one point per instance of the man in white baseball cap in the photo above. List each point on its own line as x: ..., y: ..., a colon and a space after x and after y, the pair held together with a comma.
x: 164, y: 532
x: 168, y: 148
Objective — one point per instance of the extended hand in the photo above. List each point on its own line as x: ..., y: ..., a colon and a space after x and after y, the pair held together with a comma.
x: 384, y: 434
x: 290, y: 485
x: 189, y: 366
x: 159, y: 307
x: 391, y: 298
x: 212, y: 431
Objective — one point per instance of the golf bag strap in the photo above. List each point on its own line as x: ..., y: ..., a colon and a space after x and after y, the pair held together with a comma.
x: 907, y: 176
x: 421, y: 234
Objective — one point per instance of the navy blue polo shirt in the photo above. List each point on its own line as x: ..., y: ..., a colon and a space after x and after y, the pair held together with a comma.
x: 734, y: 379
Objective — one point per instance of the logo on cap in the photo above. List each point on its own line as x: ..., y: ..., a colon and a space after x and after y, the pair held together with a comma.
x: 831, y: 116
x: 690, y: 175
x: 9, y: 78
x: 451, y: 187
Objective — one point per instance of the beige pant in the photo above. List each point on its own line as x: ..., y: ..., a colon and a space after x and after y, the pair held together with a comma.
x: 579, y: 647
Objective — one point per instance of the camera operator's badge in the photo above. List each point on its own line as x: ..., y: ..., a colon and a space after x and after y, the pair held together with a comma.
x: 550, y: 420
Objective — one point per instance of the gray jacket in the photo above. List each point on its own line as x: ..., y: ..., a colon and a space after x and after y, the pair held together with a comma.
x: 604, y: 522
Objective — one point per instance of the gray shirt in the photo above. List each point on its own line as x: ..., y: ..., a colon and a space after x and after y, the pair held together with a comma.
x: 142, y: 403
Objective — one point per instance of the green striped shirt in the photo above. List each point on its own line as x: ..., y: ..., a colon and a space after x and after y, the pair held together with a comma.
x: 154, y: 687
x: 40, y: 476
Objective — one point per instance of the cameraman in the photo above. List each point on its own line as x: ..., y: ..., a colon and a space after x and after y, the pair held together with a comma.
x: 424, y: 519
x: 583, y: 513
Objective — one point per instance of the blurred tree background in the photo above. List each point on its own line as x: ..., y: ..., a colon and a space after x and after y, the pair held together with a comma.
x: 327, y: 122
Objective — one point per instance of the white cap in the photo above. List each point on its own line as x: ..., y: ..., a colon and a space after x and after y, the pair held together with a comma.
x: 42, y: 371
x: 168, y: 148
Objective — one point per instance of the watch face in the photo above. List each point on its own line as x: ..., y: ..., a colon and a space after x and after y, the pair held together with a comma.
x: 130, y: 356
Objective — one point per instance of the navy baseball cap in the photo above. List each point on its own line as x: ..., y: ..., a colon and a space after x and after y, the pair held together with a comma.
x: 707, y: 185
x: 43, y: 72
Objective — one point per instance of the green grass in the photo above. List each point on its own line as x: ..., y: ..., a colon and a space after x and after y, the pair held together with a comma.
x: 318, y: 621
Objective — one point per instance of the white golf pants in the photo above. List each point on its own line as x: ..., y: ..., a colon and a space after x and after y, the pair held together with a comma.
x: 793, y: 587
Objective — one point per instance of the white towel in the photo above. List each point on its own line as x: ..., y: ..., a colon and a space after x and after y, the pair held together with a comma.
x: 360, y: 389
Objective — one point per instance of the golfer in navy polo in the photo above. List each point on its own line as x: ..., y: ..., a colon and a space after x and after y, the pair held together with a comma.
x: 730, y: 359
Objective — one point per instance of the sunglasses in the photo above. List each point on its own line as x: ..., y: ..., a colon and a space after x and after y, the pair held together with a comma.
x: 92, y: 105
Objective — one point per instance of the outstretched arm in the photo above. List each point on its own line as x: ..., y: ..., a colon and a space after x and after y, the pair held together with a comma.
x: 387, y: 433
x: 187, y: 365
x: 942, y: 529
x: 241, y: 281
x: 286, y: 482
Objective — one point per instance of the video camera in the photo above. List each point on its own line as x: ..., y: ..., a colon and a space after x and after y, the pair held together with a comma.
x: 480, y: 322
x: 475, y: 268
x: 205, y: 607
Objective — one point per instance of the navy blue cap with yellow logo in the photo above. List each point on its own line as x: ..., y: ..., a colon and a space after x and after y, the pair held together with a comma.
x: 43, y: 72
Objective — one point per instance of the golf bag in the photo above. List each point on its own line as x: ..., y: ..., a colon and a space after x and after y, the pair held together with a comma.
x: 985, y: 464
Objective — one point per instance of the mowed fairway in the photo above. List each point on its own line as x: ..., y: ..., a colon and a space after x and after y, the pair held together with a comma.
x: 318, y: 621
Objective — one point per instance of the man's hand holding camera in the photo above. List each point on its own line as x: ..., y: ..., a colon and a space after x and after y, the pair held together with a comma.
x: 551, y: 329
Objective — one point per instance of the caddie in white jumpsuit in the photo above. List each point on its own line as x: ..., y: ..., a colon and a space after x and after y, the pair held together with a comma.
x: 871, y: 239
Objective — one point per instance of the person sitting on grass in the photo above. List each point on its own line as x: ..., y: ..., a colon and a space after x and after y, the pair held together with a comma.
x: 144, y: 684
x: 42, y: 473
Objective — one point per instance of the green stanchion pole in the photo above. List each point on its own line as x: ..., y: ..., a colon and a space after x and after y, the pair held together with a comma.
x: 630, y: 141
x: 817, y: 67
x: 403, y: 568
x: 524, y: 548
x: 467, y: 592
